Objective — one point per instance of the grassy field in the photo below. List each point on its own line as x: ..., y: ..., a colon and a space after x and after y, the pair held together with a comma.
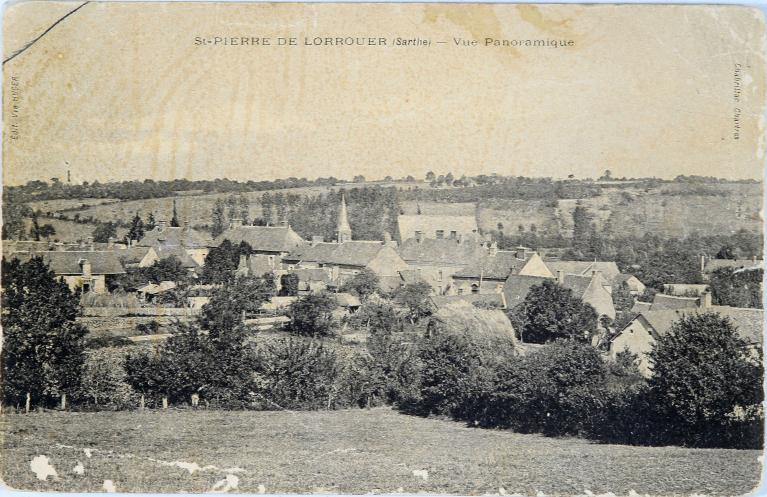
x: 355, y: 451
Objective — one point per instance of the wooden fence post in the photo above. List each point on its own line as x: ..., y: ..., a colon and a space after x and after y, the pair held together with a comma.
x: 28, y: 403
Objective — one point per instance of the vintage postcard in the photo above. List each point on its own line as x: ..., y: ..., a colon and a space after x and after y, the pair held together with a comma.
x: 460, y: 249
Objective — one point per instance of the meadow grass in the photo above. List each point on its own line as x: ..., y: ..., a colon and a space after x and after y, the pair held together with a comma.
x: 350, y: 451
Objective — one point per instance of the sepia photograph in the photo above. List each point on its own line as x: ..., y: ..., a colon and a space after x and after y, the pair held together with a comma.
x: 382, y: 248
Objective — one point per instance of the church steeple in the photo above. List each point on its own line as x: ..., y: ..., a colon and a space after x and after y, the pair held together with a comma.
x: 343, y: 230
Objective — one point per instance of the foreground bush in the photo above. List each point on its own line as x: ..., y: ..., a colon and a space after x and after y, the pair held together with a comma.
x: 553, y: 390
x: 296, y: 373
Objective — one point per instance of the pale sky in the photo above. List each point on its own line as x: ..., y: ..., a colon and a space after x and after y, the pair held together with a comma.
x: 121, y: 91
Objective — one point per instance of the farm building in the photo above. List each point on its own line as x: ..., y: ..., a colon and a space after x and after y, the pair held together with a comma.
x: 593, y: 290
x: 83, y: 271
x: 488, y: 273
x: 275, y: 241
x: 436, y: 261
x: 421, y: 227
x: 195, y: 243
x: 641, y: 332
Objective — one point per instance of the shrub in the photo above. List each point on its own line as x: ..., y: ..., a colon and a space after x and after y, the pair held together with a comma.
x: 312, y: 315
x: 704, y: 373
x: 104, y: 381
x: 450, y: 376
x: 297, y: 373
x: 553, y: 390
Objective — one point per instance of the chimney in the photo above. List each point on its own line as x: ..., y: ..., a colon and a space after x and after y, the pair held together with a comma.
x: 187, y: 227
x: 243, y: 261
x: 90, y: 243
x: 161, y: 225
x: 111, y: 242
x: 460, y: 238
x: 86, y: 267
x: 493, y: 249
x: 235, y: 223
x: 418, y: 236
x: 596, y: 274
x: 317, y: 239
x: 705, y: 300
x: 702, y: 263
x: 560, y: 277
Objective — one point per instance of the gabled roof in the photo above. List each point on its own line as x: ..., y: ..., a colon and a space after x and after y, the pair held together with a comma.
x: 70, y: 262
x: 164, y: 252
x: 497, y: 266
x: 132, y: 255
x: 445, y: 251
x: 429, y: 224
x: 641, y: 307
x: 352, y: 253
x: 748, y: 322
x: 517, y: 287
x: 263, y: 238
x: 409, y: 276
x: 318, y: 274
x: 578, y: 284
x: 664, y: 302
x: 172, y: 236
x: 584, y: 268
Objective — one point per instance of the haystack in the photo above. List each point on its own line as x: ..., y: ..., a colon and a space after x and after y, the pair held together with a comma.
x: 485, y: 327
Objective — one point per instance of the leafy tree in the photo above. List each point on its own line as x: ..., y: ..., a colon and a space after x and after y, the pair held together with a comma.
x: 222, y: 261
x: 430, y: 176
x: 229, y: 303
x: 737, y: 288
x: 47, y: 231
x: 167, y: 269
x: 414, y: 297
x: 312, y: 315
x: 363, y: 284
x: 378, y: 316
x: 623, y: 302
x: 582, y: 230
x: 174, y: 223
x: 297, y: 374
x: 43, y: 345
x: 104, y: 380
x: 726, y: 252
x: 34, y: 231
x: 550, y: 311
x: 553, y: 390
x: 104, y: 231
x: 136, y: 230
x: 289, y: 284
x: 703, y: 370
x: 150, y: 223
x: 219, y: 221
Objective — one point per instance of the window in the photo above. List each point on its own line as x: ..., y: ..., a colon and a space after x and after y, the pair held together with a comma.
x: 440, y: 234
x: 475, y: 288
x: 454, y: 234
x: 439, y: 276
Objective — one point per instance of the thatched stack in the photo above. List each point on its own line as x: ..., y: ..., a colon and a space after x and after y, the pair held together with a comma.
x: 487, y: 327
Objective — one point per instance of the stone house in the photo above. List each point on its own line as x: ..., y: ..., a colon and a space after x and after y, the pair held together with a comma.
x: 488, y: 274
x: 435, y: 227
x: 639, y: 335
x: 83, y: 271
